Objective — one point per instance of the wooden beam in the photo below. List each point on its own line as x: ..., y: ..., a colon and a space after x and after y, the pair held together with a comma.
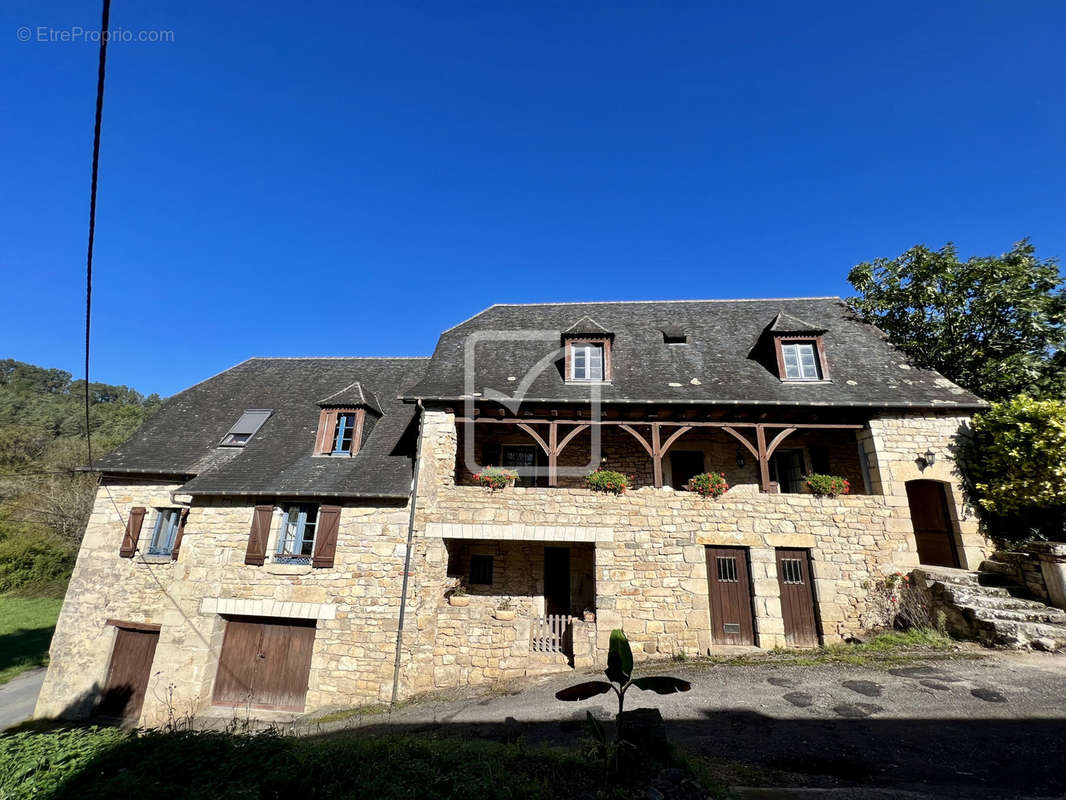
x: 639, y: 438
x: 777, y: 440
x: 742, y: 439
x: 566, y: 439
x: 674, y: 436
x: 528, y: 429
x: 677, y: 423
x: 656, y: 456
x: 553, y: 454
x: 764, y: 460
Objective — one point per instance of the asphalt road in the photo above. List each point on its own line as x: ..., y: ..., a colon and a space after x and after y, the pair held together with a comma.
x: 990, y: 727
x: 18, y: 696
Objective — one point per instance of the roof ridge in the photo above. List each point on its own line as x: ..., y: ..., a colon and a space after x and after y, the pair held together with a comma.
x: 335, y: 358
x: 656, y: 302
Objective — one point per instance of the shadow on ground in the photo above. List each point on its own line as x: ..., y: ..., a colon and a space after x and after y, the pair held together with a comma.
x: 981, y: 758
x: 26, y: 647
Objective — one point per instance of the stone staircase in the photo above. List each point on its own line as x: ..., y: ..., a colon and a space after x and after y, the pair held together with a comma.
x: 988, y: 606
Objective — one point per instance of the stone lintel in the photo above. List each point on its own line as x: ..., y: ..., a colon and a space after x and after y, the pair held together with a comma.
x: 267, y: 608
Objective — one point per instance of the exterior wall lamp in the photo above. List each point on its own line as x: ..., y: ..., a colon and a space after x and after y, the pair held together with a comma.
x: 926, y: 459
x: 740, y: 457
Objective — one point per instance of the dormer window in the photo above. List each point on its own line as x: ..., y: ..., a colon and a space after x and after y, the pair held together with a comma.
x: 245, y: 428
x: 586, y: 361
x: 801, y: 364
x: 588, y: 352
x: 801, y: 358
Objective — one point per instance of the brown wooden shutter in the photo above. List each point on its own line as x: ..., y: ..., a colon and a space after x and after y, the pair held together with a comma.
x: 329, y: 518
x: 181, y: 532
x: 257, y: 537
x: 133, y: 532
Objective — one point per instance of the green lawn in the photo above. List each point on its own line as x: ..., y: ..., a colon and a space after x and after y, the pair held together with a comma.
x: 87, y: 763
x: 26, y: 627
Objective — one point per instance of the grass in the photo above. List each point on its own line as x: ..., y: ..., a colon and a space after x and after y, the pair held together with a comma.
x: 889, y: 648
x: 26, y: 627
x: 88, y: 763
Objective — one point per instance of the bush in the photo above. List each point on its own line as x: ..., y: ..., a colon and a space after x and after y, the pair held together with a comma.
x: 608, y: 481
x: 709, y: 484
x: 34, y: 563
x: 827, y: 485
x: 897, y: 604
x: 496, y: 477
x: 1014, y: 467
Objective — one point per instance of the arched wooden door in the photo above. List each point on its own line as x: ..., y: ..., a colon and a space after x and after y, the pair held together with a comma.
x: 933, y: 531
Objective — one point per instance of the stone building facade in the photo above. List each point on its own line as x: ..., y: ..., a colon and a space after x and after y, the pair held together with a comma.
x: 636, y: 561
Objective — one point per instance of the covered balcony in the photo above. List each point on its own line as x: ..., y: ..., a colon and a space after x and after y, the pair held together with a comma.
x: 557, y: 448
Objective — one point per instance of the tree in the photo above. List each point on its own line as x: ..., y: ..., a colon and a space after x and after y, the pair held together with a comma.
x: 995, y: 325
x: 1015, y: 467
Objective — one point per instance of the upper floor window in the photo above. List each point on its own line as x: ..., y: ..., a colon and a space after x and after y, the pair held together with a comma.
x: 587, y: 361
x: 342, y: 442
x: 246, y: 427
x: 296, y: 540
x: 165, y: 531
x: 801, y: 361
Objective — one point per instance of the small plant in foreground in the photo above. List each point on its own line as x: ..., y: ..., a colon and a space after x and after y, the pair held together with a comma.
x: 619, y: 672
x: 709, y: 484
x: 608, y: 481
x: 827, y: 485
x: 496, y: 477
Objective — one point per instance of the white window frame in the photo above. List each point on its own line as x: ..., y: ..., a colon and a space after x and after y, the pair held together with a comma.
x: 292, y: 536
x: 586, y: 349
x: 165, y: 531
x: 798, y: 370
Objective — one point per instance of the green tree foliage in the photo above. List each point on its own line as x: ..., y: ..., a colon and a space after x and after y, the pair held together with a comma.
x: 1015, y: 467
x: 44, y: 502
x: 995, y: 325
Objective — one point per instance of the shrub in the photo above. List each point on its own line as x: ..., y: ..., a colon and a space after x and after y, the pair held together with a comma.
x: 827, y: 485
x: 1014, y: 467
x: 34, y: 564
x: 496, y: 477
x: 609, y: 481
x: 709, y: 484
x: 896, y: 603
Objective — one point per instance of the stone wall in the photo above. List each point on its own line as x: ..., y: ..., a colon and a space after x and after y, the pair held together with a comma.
x: 356, y: 603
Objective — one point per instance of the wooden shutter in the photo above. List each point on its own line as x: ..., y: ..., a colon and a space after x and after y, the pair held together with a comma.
x: 329, y: 518
x: 257, y: 537
x: 327, y: 431
x: 133, y: 532
x: 181, y: 532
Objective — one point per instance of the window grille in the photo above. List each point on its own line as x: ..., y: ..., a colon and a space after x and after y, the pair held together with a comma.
x: 727, y: 568
x: 791, y: 570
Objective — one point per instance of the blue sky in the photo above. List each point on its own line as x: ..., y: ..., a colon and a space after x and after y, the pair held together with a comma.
x: 347, y: 179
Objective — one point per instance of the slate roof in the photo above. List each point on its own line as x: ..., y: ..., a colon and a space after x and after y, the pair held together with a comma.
x: 183, y: 437
x: 719, y: 365
x: 786, y: 323
x: 586, y: 326
x: 352, y: 396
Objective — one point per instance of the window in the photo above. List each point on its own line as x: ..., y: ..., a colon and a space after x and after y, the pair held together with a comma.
x: 481, y: 570
x: 247, y: 426
x: 342, y: 443
x: 727, y: 568
x: 791, y: 570
x: 165, y: 531
x: 521, y: 457
x: 800, y: 361
x: 296, y: 541
x: 586, y: 361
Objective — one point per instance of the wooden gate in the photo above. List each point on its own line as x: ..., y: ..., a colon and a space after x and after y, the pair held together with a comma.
x: 553, y: 634
x: 933, y: 532
x: 730, y: 595
x: 797, y: 598
x: 265, y: 663
x: 128, y: 674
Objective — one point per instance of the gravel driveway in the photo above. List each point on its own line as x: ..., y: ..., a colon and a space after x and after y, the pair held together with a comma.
x: 986, y: 727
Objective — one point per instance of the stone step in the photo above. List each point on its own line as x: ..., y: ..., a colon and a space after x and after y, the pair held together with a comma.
x: 1025, y: 634
x: 1050, y: 616
x: 999, y: 602
x: 998, y: 567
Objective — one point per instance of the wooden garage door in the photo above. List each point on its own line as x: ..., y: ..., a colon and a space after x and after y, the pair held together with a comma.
x: 730, y: 595
x: 797, y: 598
x: 265, y: 663
x: 127, y: 674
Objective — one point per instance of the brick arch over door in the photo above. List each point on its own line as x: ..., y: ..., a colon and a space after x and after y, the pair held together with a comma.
x: 935, y: 532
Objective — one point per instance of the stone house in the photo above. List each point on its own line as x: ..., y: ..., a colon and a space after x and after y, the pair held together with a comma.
x: 287, y: 535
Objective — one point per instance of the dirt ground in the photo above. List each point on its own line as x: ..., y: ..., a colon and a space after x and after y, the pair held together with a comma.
x: 990, y: 726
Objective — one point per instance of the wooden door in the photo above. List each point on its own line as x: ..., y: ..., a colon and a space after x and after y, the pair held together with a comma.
x: 933, y: 532
x: 557, y: 580
x: 684, y: 464
x: 265, y: 663
x: 128, y: 674
x: 730, y: 595
x: 797, y: 598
